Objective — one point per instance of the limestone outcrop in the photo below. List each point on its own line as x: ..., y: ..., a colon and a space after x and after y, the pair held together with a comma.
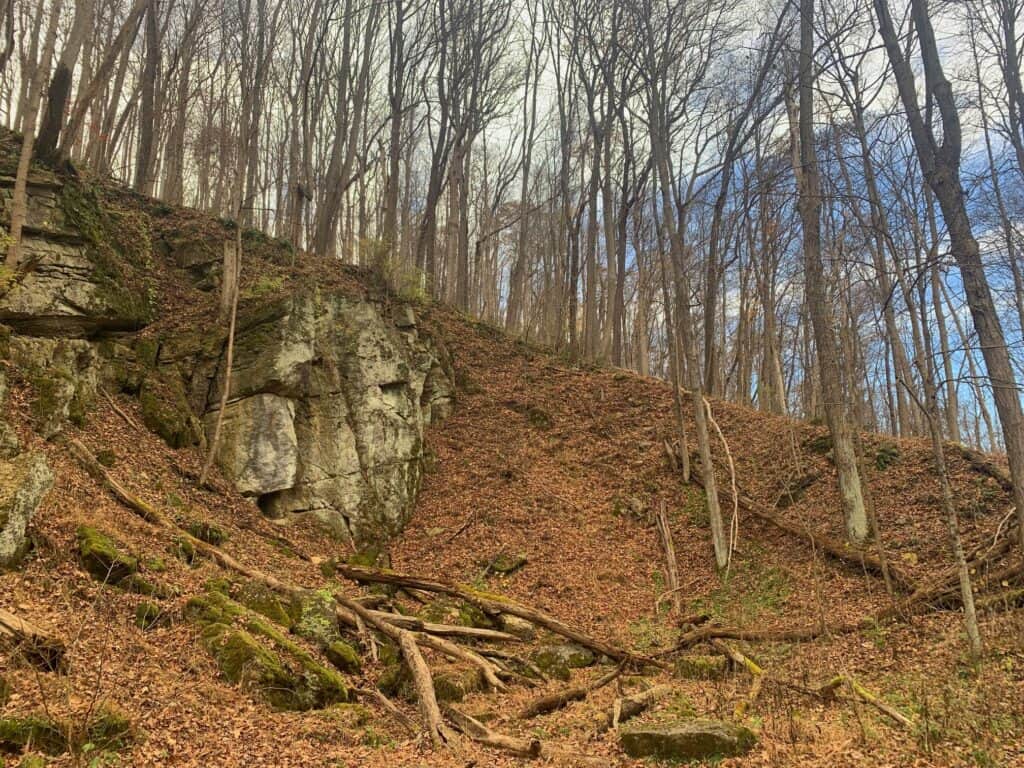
x: 331, y: 390
x: 328, y: 403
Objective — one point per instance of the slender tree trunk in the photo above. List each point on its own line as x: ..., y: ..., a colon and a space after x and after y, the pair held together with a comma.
x: 806, y: 169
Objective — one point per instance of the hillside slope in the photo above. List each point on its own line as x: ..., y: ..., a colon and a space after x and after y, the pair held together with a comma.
x: 540, y: 461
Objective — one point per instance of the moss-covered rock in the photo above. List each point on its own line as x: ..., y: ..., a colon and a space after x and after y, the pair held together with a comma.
x: 698, y: 667
x: 455, y: 683
x: 317, y: 619
x: 260, y: 598
x: 165, y: 410
x: 688, y: 740
x: 33, y: 732
x: 206, y: 531
x: 344, y: 656
x: 558, y: 660
x: 102, y: 558
x: 259, y: 655
x: 506, y: 562
x: 150, y: 615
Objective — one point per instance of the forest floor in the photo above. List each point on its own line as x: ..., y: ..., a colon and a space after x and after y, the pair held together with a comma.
x: 561, y: 465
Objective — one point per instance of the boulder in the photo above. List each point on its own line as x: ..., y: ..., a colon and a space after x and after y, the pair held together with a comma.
x: 687, y: 740
x: 328, y: 404
x: 24, y: 481
x: 558, y: 660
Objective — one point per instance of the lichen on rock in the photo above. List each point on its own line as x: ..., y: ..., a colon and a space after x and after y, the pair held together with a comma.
x: 24, y: 481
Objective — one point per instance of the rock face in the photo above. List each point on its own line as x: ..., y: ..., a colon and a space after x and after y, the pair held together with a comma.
x: 86, y: 266
x: 688, y: 740
x: 24, y: 481
x: 330, y: 391
x: 329, y: 399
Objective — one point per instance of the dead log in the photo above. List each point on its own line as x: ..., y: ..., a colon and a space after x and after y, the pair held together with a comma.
x: 492, y: 605
x: 447, y: 630
x: 627, y: 707
x: 422, y: 680
x: 552, y: 702
x: 40, y: 646
x: 479, y: 732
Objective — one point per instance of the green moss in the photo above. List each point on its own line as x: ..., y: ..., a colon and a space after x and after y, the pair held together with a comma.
x: 33, y: 732
x: 260, y: 598
x: 505, y: 562
x: 287, y: 675
x: 212, y: 608
x: 149, y: 616
x: 106, y: 457
x: 887, y: 455
x: 139, y: 585
x: 208, y: 532
x: 118, y: 246
x: 538, y: 418
x: 165, y: 411
x: 110, y: 729
x: 696, y: 667
x: 366, y: 558
x: 155, y: 564
x: 344, y: 656
x: 102, y: 558
x: 317, y: 620
x: 456, y: 684
x: 820, y: 444
x: 32, y: 761
x: 184, y: 550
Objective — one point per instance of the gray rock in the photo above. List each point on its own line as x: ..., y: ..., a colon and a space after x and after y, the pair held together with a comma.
x: 688, y: 740
x: 558, y: 660
x: 258, y: 449
x: 328, y: 404
x: 63, y: 374
x: 24, y: 482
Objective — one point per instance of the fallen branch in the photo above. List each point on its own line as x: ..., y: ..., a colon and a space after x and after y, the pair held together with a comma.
x: 627, y: 707
x: 120, y: 411
x: 389, y: 706
x: 479, y: 732
x: 552, y: 702
x: 752, y: 667
x: 40, y: 646
x: 422, y: 680
x: 566, y: 696
x: 671, y: 564
x: 862, y: 693
x: 492, y: 605
x: 447, y: 630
